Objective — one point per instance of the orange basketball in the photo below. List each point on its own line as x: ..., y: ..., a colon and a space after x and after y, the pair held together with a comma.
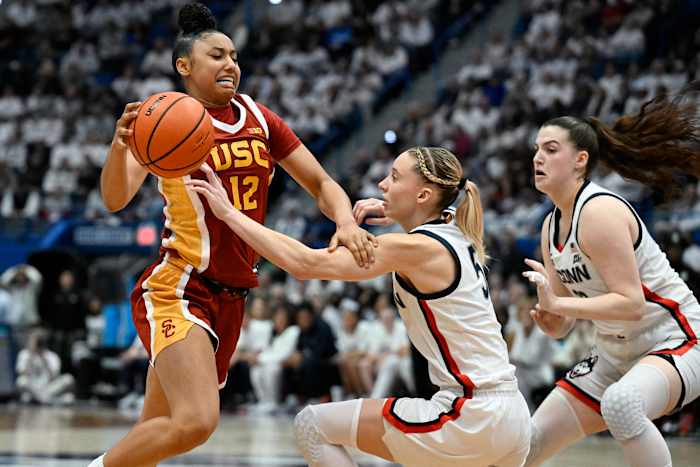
x: 173, y: 134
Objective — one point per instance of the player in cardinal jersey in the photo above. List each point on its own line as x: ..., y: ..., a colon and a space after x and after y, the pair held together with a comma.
x: 188, y: 305
x: 601, y: 264
x: 478, y: 417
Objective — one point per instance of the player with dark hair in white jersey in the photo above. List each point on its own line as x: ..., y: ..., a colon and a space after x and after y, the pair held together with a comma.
x: 477, y: 417
x: 601, y: 264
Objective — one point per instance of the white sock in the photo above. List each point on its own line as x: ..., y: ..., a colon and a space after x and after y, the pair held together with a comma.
x: 97, y: 462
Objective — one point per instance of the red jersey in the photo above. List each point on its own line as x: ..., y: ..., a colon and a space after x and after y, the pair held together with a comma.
x: 250, y: 140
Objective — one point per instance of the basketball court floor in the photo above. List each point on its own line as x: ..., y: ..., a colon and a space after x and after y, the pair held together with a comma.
x: 71, y: 437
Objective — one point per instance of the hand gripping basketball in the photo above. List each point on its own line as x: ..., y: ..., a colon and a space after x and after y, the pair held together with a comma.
x: 122, y: 131
x: 171, y: 135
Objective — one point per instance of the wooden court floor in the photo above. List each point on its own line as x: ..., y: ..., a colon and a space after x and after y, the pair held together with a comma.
x: 71, y: 437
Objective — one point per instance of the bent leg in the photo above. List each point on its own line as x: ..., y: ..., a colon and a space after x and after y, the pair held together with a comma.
x: 650, y: 389
x: 560, y: 421
x: 183, y: 369
x: 322, y: 432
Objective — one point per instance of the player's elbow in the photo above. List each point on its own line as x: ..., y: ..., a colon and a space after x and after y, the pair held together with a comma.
x: 112, y: 204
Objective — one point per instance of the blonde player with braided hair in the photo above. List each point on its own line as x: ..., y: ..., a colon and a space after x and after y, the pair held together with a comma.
x: 477, y: 417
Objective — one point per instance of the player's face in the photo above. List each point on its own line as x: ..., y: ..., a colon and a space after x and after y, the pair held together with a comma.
x: 555, y: 160
x: 214, y: 73
x: 400, y: 188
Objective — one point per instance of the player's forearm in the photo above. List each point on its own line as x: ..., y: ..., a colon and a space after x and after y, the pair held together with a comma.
x: 285, y: 252
x: 611, y: 306
x: 334, y: 202
x: 117, y: 185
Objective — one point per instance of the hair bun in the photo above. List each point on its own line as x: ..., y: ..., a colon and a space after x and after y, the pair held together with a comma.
x: 195, y: 18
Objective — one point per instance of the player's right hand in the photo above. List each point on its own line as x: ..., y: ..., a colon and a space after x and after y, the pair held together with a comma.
x: 122, y: 130
x: 370, y: 211
x: 549, y: 323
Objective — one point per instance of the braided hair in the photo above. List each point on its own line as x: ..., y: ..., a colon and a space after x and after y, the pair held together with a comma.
x: 457, y: 196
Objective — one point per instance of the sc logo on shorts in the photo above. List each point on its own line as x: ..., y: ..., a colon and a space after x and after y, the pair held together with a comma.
x: 583, y: 367
x: 168, y: 328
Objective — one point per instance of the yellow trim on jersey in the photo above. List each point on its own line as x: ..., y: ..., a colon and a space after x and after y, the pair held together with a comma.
x: 164, y: 306
x: 184, y: 216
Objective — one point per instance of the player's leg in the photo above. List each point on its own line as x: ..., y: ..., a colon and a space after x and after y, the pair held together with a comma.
x: 649, y: 390
x: 155, y: 405
x: 558, y: 422
x: 371, y: 429
x: 187, y: 375
x: 322, y: 431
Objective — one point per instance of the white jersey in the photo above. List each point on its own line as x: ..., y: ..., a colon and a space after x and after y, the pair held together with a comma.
x: 456, y: 329
x: 668, y: 298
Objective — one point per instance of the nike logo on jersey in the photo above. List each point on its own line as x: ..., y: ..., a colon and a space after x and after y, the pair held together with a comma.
x: 574, y: 275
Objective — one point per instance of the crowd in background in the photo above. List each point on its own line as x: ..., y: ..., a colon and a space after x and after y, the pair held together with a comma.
x: 70, y: 67
x: 575, y: 57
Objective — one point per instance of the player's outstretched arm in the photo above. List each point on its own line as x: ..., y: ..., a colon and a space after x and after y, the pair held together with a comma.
x: 122, y: 175
x: 395, y: 252
x: 332, y: 200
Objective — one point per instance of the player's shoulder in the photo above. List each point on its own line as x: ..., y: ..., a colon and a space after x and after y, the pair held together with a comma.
x: 605, y: 207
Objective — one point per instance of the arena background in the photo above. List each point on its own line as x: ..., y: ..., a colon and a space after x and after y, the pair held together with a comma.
x: 357, y: 81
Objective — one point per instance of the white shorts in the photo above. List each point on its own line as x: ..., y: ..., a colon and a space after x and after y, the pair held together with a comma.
x: 491, y: 429
x: 613, y: 356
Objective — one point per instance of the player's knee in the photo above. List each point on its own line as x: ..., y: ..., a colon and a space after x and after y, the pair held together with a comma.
x: 307, y: 434
x: 195, y: 430
x: 622, y: 408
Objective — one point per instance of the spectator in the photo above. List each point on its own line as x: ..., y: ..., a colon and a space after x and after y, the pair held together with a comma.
x: 23, y: 283
x: 134, y: 367
x: 388, y: 354
x: 351, y: 342
x: 39, y: 377
x: 266, y: 366
x: 309, y: 370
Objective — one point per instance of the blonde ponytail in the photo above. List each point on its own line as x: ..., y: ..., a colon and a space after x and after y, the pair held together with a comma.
x: 470, y: 220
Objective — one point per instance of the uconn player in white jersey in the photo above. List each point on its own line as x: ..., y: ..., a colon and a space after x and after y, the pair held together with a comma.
x: 478, y: 417
x: 601, y: 264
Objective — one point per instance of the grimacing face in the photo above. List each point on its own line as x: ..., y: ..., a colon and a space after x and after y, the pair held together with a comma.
x: 556, y: 161
x: 211, y: 71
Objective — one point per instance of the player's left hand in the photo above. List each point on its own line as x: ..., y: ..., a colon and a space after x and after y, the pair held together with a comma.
x: 546, y: 299
x: 360, y: 243
x: 213, y: 190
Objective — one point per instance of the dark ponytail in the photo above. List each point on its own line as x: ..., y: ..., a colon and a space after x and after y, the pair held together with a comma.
x: 657, y: 147
x: 194, y: 20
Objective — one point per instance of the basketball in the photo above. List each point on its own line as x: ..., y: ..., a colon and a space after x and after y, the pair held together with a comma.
x: 172, y: 134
